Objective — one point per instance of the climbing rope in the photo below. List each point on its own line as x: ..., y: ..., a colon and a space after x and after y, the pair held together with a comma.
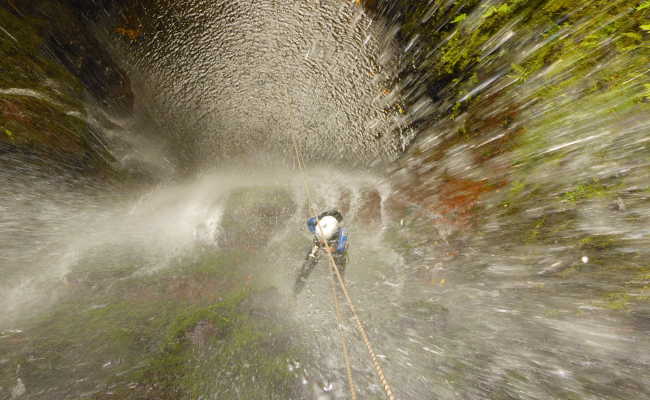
x: 359, y: 324
x: 361, y: 329
x: 339, y: 324
x: 344, y: 345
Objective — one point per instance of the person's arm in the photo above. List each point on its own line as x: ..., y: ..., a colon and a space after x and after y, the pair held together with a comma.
x: 311, y: 224
x: 342, y: 244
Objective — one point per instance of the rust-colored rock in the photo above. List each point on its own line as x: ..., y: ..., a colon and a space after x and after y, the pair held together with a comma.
x: 370, y: 207
x: 344, y: 202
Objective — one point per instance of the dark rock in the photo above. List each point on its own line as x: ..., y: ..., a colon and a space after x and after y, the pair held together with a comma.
x: 50, y: 63
x: 71, y: 41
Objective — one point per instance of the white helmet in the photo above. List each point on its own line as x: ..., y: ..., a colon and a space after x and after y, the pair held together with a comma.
x: 327, y: 227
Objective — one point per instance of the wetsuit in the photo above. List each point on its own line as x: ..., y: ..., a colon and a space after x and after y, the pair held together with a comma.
x: 338, y: 243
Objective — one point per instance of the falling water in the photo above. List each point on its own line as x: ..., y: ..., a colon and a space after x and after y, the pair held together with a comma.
x: 489, y: 157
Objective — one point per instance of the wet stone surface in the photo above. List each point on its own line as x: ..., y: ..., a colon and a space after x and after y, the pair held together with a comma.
x: 502, y: 256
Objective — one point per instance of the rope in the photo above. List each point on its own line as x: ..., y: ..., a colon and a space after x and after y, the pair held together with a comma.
x: 359, y: 325
x: 346, y: 355
x: 361, y: 329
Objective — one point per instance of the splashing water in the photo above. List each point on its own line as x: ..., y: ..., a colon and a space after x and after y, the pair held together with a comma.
x: 499, y: 248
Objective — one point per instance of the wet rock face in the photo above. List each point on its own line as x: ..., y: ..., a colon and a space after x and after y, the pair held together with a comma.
x: 253, y: 215
x: 201, y: 333
x: 370, y: 209
x: 68, y: 37
x: 50, y: 66
x: 239, y: 77
x: 85, y: 59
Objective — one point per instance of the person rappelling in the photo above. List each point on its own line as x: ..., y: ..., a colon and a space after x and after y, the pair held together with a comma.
x: 327, y: 231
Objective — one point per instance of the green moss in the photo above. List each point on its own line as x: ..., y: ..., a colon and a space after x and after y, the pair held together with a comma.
x: 570, y: 272
x: 460, y: 18
x: 586, y: 191
x: 534, y: 233
x: 513, y: 194
x: 142, y: 325
x: 575, y: 63
x: 634, y: 292
x: 645, y: 95
x: 517, y: 187
x: 600, y: 242
x: 426, y: 308
x: 237, y: 349
x: 41, y: 101
x: 24, y: 64
x: 519, y: 73
x: 617, y: 301
x: 588, y: 45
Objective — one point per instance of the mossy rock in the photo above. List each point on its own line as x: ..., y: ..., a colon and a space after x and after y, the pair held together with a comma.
x: 50, y: 62
x: 162, y: 335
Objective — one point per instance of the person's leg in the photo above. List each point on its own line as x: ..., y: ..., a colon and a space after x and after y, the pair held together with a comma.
x: 310, y: 262
x: 341, y: 260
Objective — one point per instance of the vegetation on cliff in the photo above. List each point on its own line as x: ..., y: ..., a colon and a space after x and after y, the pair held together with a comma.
x: 176, y: 333
x: 538, y: 135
